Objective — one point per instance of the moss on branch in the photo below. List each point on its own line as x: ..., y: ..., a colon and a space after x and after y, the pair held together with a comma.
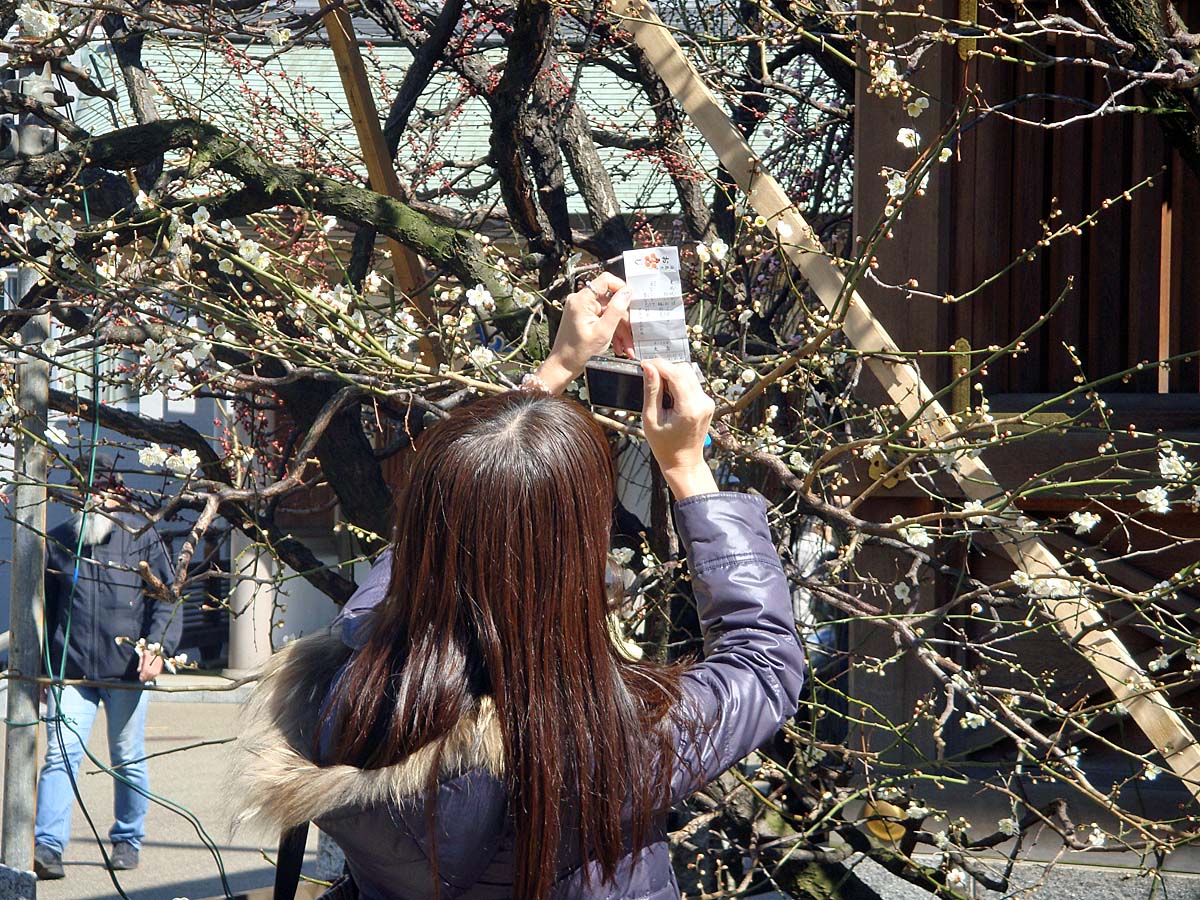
x: 266, y: 184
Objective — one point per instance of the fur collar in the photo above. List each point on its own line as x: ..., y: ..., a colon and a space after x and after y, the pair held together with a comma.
x: 278, y: 784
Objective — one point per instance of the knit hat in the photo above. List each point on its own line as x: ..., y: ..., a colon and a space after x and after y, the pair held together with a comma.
x: 105, y: 475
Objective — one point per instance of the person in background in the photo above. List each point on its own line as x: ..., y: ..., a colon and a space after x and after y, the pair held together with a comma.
x: 103, y: 626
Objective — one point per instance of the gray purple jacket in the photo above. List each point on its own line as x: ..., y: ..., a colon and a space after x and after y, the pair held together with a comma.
x: 747, y: 685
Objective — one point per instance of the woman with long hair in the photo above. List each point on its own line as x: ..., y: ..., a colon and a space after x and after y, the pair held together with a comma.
x: 469, y: 727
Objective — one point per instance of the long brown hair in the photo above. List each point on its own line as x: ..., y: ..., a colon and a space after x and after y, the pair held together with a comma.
x: 498, y: 589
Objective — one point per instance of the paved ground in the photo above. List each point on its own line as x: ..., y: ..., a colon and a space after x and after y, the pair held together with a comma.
x: 174, y: 861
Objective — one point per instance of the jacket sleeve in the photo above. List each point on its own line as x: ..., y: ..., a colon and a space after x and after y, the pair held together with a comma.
x: 749, y: 682
x: 353, y: 616
x: 163, y: 621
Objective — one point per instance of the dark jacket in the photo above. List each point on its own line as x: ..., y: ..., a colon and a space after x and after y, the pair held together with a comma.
x: 747, y: 685
x: 108, y: 601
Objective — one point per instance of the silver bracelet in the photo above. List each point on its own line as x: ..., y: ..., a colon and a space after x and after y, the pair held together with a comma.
x: 531, y: 382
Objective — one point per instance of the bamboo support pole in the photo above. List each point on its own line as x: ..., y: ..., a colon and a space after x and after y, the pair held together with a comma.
x: 381, y: 173
x: 1077, y: 618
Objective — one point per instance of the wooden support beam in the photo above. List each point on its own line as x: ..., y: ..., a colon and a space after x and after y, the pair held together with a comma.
x: 1077, y: 618
x: 408, y: 270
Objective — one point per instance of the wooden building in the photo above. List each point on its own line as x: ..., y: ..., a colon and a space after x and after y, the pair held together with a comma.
x: 1134, y: 274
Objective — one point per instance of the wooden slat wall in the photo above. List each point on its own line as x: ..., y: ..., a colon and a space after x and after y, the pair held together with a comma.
x: 1136, y: 271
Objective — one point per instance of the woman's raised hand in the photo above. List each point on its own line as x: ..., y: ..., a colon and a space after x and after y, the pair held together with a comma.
x: 592, y: 318
x: 676, y: 432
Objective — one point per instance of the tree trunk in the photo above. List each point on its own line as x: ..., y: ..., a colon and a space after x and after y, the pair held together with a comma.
x: 1147, y: 25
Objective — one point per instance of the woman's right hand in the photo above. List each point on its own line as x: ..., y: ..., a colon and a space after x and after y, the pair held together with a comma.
x: 676, y: 433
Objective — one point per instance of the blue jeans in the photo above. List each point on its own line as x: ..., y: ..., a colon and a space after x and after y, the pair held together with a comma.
x: 126, y: 711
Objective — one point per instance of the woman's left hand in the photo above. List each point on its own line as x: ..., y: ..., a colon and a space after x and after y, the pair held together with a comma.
x: 592, y: 318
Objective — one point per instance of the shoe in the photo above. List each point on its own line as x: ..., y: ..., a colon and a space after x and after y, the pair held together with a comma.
x: 122, y: 856
x: 47, y: 863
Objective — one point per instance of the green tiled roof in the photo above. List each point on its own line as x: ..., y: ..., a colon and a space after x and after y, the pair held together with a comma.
x: 296, y: 106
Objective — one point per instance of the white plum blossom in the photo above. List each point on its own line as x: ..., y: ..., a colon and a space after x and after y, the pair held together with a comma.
x: 1097, y: 837
x: 64, y: 234
x: 481, y: 356
x: 254, y: 253
x: 201, y: 216
x: 142, y: 201
x: 1083, y: 521
x: 908, y: 137
x: 748, y: 376
x: 279, y: 36
x: 1007, y: 826
x: 185, y: 463
x: 797, y: 461
x: 51, y: 346
x: 895, y: 183
x: 328, y: 224
x: 973, y: 509
x: 702, y: 252
x: 915, y: 107
x: 957, y: 879
x: 1151, y: 772
x: 885, y: 79
x: 916, y: 535
x: 152, y: 455
x: 1156, y: 499
x: 941, y: 840
x: 481, y: 299
x: 719, y: 249
x: 945, y: 154
x: 972, y: 720
x: 622, y: 556
x: 1021, y: 579
x: 784, y: 230
x: 8, y: 192
x: 917, y: 811
x: 372, y: 282
x: 1171, y: 465
x: 1055, y: 587
x: 902, y: 590
x: 56, y: 435
x: 1159, y: 663
x: 37, y: 22
x: 161, y: 354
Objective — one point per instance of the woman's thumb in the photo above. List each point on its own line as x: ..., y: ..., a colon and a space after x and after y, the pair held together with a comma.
x: 618, y: 307
x: 652, y: 386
